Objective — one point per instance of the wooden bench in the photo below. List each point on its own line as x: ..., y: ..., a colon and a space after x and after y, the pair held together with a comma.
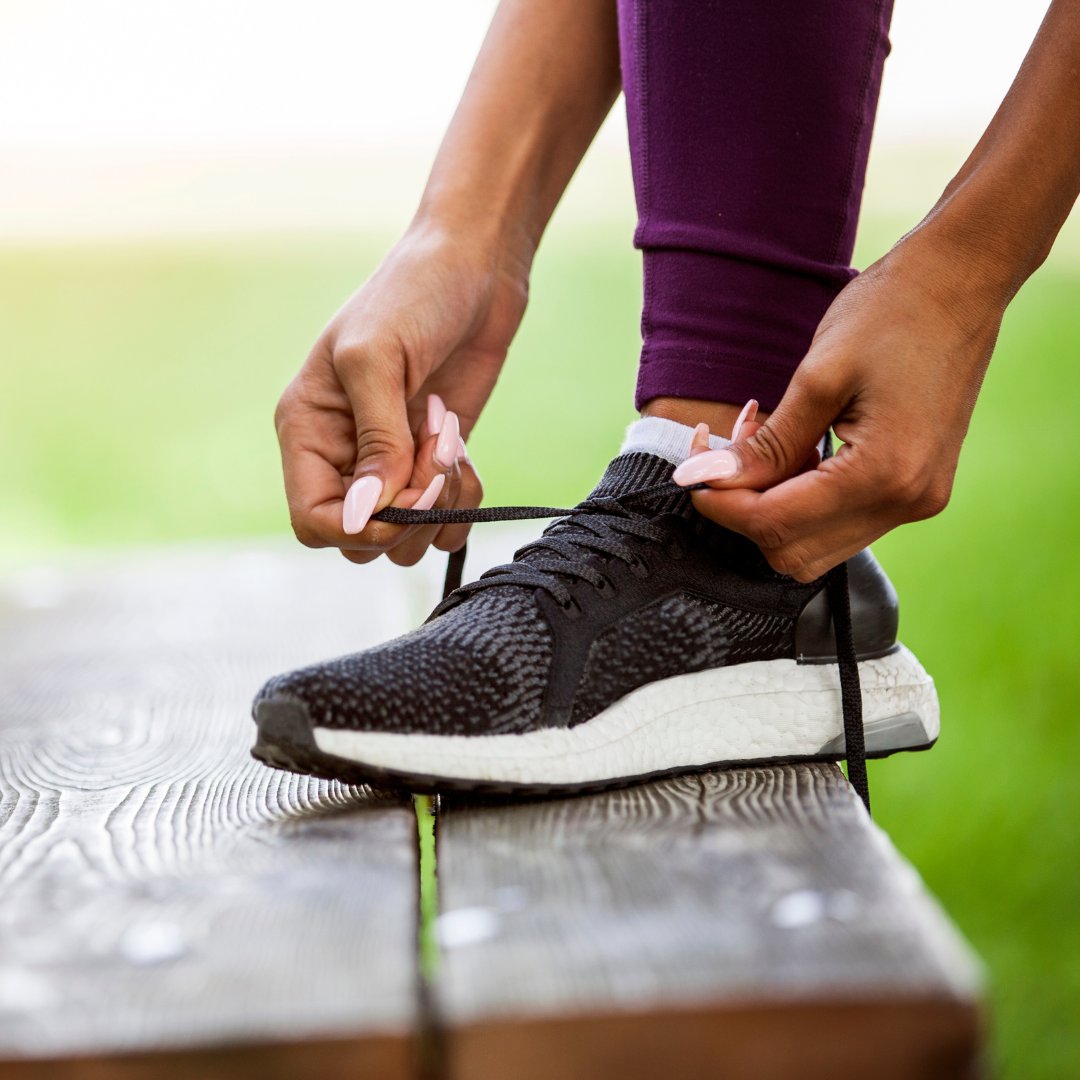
x: 171, y: 908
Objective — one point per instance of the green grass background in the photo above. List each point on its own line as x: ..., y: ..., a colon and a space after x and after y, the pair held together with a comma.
x: 138, y: 384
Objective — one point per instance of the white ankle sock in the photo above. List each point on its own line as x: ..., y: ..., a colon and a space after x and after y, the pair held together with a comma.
x: 669, y: 439
x: 665, y: 438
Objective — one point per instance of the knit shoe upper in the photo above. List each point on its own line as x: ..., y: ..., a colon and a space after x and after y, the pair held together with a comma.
x: 633, y: 587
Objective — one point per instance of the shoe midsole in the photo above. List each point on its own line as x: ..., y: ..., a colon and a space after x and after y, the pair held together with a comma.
x: 758, y: 711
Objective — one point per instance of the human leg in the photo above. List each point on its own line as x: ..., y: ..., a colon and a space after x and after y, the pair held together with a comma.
x: 749, y: 125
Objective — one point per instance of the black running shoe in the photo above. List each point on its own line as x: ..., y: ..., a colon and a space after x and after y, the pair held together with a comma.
x: 633, y: 639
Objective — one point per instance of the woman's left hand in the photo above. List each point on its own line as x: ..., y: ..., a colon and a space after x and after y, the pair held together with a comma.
x: 895, y: 368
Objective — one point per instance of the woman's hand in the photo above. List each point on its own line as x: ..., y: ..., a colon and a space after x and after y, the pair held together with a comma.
x: 438, y: 315
x: 898, y: 360
x: 895, y: 368
x: 436, y: 318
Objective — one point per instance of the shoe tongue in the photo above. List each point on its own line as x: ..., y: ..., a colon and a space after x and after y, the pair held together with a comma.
x: 636, y: 471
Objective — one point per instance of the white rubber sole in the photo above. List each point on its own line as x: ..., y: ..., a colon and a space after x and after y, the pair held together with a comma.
x: 762, y: 711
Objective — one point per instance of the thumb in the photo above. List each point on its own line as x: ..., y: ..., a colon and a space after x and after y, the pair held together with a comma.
x: 777, y: 450
x: 385, y: 448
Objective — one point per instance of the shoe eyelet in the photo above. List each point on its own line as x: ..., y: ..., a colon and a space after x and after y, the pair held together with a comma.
x: 606, y: 587
x: 572, y: 609
x: 639, y: 567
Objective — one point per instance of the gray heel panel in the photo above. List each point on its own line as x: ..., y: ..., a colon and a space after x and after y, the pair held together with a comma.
x: 903, y: 732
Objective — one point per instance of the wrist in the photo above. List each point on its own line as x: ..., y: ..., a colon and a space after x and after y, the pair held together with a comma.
x: 966, y: 262
x: 472, y: 240
x: 984, y: 227
x: 501, y: 241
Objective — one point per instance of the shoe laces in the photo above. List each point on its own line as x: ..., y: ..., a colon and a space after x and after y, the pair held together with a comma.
x: 601, y: 526
x: 576, y: 547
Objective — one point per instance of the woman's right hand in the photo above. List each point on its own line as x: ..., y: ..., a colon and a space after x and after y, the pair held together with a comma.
x: 436, y: 318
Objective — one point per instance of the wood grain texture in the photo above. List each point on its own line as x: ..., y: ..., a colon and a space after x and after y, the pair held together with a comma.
x: 168, y: 907
x: 692, y: 896
x: 160, y: 890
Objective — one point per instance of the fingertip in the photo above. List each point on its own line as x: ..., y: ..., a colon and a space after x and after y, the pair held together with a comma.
x: 436, y: 413
x: 749, y: 412
x: 431, y: 493
x: 447, y: 445
x: 700, y: 441
x: 705, y: 467
x: 359, y: 504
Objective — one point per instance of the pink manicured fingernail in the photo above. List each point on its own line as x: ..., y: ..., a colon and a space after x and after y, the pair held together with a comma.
x: 700, y: 442
x: 714, y: 465
x: 431, y: 493
x: 436, y: 413
x: 749, y: 412
x: 463, y: 454
x: 446, y: 449
x: 360, y: 500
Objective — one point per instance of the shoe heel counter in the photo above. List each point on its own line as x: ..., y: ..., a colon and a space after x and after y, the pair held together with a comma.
x: 875, y: 615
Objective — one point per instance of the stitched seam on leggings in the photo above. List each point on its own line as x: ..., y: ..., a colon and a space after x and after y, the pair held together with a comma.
x: 708, y: 358
x: 641, y: 30
x: 788, y: 265
x: 853, y: 149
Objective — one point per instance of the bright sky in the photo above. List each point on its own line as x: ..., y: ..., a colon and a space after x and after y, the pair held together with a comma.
x: 87, y: 82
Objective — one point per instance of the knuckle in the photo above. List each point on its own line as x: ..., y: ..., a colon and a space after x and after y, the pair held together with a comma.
x: 782, y: 561
x: 305, y: 533
x: 768, y: 447
x: 451, y: 539
x: 905, y: 485
x: 809, y: 570
x: 357, y: 557
x: 821, y: 384
x: 934, y: 499
x: 472, y: 491
x: 408, y: 555
x: 353, y: 351
x: 286, y: 407
x: 792, y: 562
x: 367, y: 351
x: 770, y: 533
x: 375, y: 443
x: 282, y: 410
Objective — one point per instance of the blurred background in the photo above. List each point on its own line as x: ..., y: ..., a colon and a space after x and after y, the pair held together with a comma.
x: 187, y: 193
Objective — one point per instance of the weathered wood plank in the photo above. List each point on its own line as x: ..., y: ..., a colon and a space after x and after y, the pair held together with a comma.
x: 755, y: 918
x: 160, y: 892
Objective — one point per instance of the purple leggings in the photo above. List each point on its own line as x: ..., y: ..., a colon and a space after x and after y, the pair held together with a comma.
x: 750, y: 125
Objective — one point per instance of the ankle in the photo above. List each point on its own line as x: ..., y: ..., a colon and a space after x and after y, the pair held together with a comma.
x: 719, y: 415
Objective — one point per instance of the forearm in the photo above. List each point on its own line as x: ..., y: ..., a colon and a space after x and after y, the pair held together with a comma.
x: 545, y: 78
x: 1004, y: 209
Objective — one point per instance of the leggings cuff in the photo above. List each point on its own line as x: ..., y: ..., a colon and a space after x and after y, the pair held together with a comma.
x: 727, y: 328
x: 710, y: 375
